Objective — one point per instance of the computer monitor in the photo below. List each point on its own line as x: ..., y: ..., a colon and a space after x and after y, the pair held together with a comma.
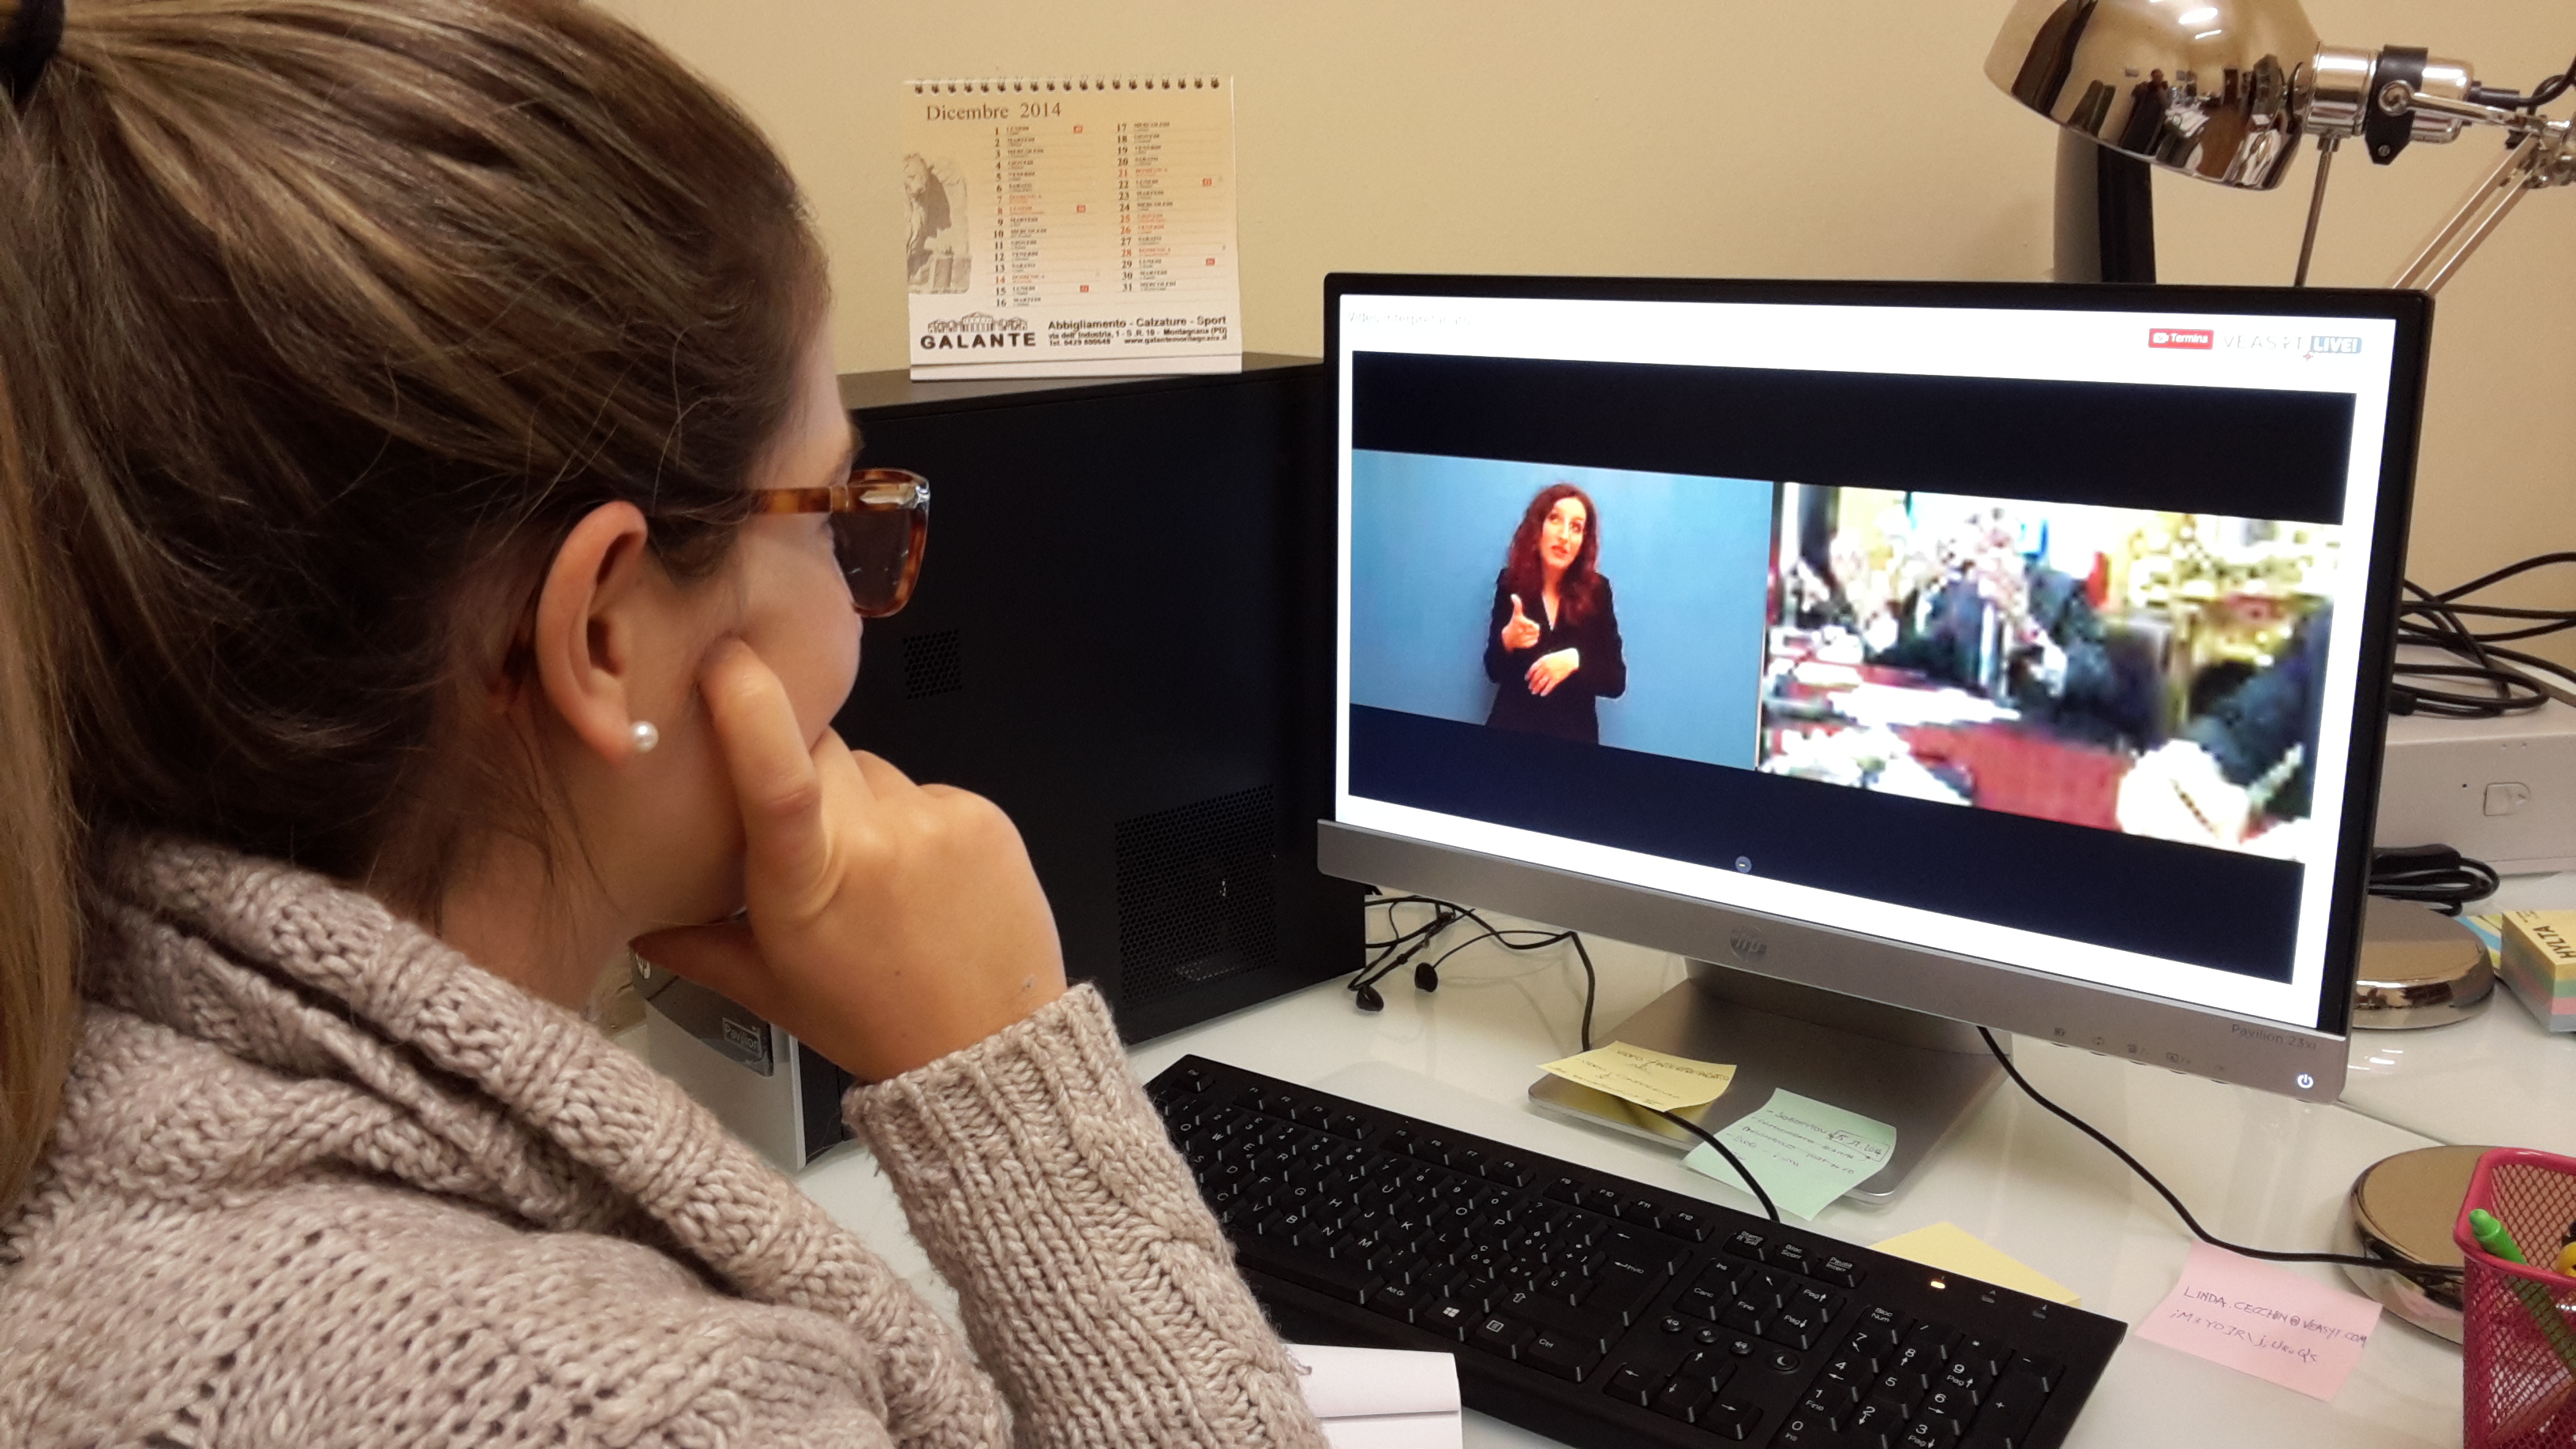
x: 2011, y: 654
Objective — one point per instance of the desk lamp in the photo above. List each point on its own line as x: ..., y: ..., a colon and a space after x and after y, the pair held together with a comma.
x: 2223, y: 90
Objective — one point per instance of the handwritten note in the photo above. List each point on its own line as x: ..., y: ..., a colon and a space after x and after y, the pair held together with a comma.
x: 2264, y: 1321
x: 1806, y: 1152
x: 1651, y: 1079
x: 1947, y: 1245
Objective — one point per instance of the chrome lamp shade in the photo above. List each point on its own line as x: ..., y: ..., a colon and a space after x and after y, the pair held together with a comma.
x: 2211, y: 88
x: 2224, y: 89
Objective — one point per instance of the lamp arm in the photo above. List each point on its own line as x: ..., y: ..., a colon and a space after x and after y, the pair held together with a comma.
x: 2397, y: 98
x: 2539, y: 157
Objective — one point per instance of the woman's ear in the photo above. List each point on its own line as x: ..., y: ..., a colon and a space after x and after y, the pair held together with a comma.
x: 590, y: 627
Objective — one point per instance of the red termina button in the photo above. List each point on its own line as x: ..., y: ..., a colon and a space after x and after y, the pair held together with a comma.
x: 2180, y: 337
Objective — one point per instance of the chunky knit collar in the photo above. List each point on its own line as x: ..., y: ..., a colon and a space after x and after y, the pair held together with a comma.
x: 324, y: 1032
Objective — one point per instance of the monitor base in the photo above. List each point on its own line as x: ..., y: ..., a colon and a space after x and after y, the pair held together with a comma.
x: 1918, y: 1073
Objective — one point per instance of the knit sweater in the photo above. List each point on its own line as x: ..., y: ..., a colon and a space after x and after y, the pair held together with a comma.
x: 320, y: 1180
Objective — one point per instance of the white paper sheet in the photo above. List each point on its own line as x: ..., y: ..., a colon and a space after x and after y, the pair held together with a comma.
x: 1398, y: 1431
x: 1381, y: 1398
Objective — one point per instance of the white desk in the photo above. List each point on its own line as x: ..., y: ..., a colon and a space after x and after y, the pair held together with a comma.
x: 2256, y: 1168
x: 2496, y: 1079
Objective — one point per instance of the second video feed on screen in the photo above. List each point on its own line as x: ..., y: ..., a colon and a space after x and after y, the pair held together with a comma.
x: 2155, y: 673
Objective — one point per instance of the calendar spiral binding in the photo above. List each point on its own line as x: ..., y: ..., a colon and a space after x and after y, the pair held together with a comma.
x: 1025, y: 85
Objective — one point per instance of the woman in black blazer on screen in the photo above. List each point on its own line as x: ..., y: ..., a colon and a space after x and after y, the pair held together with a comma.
x: 1552, y: 645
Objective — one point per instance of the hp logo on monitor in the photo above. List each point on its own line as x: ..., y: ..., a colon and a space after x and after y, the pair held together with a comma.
x: 1747, y: 944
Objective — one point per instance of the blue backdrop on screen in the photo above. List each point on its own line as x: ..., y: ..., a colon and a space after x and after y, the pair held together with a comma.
x: 1687, y: 557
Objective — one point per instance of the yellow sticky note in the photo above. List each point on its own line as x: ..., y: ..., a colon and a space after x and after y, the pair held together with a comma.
x: 1651, y: 1079
x: 1945, y: 1245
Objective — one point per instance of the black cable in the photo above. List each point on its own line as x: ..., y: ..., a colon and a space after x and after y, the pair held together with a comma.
x: 2432, y: 621
x: 2503, y: 681
x: 1389, y: 960
x: 1446, y: 915
x: 1367, y: 987
x: 2435, y: 875
x: 1732, y: 1160
x: 1591, y: 990
x: 2541, y: 94
x: 2420, y: 1272
x: 1427, y: 975
x: 1409, y: 943
x: 1429, y: 928
x: 1591, y: 978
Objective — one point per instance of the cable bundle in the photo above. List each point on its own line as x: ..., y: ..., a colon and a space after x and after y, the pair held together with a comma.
x: 2434, y: 875
x: 2512, y: 680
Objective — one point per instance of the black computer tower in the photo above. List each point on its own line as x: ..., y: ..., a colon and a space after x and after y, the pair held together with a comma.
x: 1120, y: 636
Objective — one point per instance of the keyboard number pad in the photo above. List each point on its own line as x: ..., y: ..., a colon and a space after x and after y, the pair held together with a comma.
x: 1918, y: 1385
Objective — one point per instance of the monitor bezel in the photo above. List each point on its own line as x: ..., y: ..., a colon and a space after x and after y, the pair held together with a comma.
x: 2160, y: 1031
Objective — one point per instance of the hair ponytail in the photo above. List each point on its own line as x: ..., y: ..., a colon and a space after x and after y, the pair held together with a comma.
x: 39, y: 920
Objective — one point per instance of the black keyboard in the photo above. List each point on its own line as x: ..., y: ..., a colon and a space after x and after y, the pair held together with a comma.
x: 1603, y: 1312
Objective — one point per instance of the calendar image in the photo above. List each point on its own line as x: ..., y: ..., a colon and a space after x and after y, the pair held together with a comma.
x: 1068, y: 226
x: 937, y: 249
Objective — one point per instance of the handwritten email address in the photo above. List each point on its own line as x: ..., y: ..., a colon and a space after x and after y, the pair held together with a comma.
x: 2265, y: 1321
x: 2224, y: 1329
x: 2252, y: 1309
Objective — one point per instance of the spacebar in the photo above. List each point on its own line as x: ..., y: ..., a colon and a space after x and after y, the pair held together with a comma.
x: 1346, y: 1281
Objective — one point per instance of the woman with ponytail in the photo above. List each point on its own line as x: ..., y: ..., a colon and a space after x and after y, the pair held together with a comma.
x: 431, y: 554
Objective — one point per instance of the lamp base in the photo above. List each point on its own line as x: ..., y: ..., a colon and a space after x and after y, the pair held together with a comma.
x: 2105, y: 225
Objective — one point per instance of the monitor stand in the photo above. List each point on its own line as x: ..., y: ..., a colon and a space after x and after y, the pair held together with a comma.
x: 1918, y: 1073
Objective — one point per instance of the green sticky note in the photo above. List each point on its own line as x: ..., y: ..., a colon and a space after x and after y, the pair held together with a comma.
x: 1806, y: 1152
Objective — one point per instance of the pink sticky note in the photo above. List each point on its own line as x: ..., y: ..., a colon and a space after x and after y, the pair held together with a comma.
x: 2264, y: 1321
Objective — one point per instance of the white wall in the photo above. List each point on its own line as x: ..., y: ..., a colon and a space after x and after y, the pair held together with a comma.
x: 1701, y: 138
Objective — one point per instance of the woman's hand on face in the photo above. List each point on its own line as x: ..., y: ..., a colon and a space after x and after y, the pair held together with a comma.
x: 1522, y: 631
x: 1551, y: 670
x: 887, y: 923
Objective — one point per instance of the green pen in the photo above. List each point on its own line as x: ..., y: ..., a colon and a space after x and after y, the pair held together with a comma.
x: 2545, y: 1313
x: 2491, y: 1236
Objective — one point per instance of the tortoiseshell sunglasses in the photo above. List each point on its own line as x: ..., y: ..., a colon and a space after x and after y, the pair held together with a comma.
x: 880, y: 524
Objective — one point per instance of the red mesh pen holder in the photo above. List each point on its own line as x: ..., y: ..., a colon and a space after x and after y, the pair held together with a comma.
x: 2518, y: 1389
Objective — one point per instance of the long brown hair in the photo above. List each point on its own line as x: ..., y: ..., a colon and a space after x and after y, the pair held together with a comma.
x: 39, y: 925
x: 321, y: 322
x: 1579, y: 592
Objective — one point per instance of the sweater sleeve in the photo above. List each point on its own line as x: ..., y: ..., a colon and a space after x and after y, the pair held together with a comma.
x: 1094, y: 1283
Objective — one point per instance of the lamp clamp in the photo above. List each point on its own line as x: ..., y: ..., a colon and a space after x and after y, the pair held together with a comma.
x: 2386, y: 129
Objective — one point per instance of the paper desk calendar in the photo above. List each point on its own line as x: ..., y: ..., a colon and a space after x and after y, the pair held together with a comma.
x: 1062, y: 227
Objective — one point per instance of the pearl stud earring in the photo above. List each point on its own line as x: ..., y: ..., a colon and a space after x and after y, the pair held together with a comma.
x: 646, y: 737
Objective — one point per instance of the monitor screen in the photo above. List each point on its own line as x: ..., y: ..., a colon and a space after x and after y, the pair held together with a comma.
x: 2028, y: 628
